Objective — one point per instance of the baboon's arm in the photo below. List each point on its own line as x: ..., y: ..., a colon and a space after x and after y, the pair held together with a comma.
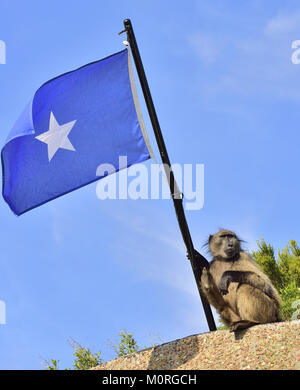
x: 214, y: 297
x: 211, y: 291
x: 244, y: 277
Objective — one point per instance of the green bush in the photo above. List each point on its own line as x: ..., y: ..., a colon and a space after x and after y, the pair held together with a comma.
x: 284, y: 272
x: 85, y: 359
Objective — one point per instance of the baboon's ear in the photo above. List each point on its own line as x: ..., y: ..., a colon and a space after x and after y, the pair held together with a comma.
x: 210, y: 238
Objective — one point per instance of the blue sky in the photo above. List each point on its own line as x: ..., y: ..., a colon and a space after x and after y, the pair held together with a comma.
x: 227, y: 96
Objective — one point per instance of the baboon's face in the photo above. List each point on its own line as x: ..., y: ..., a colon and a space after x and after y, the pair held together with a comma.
x: 225, y: 244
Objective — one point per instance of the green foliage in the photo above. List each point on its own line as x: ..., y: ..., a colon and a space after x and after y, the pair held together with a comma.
x: 222, y: 327
x: 85, y: 359
x: 288, y: 295
x: 126, y: 345
x: 52, y: 365
x: 284, y: 272
x: 265, y: 258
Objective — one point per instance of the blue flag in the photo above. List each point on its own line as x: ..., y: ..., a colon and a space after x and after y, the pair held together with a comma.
x: 74, y: 123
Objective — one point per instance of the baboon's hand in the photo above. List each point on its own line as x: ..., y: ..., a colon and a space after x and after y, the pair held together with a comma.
x: 201, y: 261
x: 196, y: 254
x: 224, y: 283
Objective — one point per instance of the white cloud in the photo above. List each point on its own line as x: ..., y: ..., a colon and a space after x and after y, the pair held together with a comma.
x: 205, y: 47
x: 282, y: 24
x: 153, y: 247
x: 258, y: 64
x: 57, y: 225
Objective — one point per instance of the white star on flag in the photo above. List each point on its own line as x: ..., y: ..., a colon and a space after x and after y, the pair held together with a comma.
x: 57, y: 136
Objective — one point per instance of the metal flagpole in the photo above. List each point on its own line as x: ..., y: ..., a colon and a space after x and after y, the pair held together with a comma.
x: 200, y: 262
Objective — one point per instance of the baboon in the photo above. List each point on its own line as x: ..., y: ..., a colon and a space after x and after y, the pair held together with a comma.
x: 235, y: 285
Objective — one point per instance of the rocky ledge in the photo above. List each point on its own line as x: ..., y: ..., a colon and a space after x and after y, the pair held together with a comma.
x: 263, y: 347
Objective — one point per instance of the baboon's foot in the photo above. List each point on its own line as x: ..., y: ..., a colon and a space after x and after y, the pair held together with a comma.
x: 240, y: 325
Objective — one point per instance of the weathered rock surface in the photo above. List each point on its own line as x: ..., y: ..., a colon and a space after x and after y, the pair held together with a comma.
x: 263, y: 347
